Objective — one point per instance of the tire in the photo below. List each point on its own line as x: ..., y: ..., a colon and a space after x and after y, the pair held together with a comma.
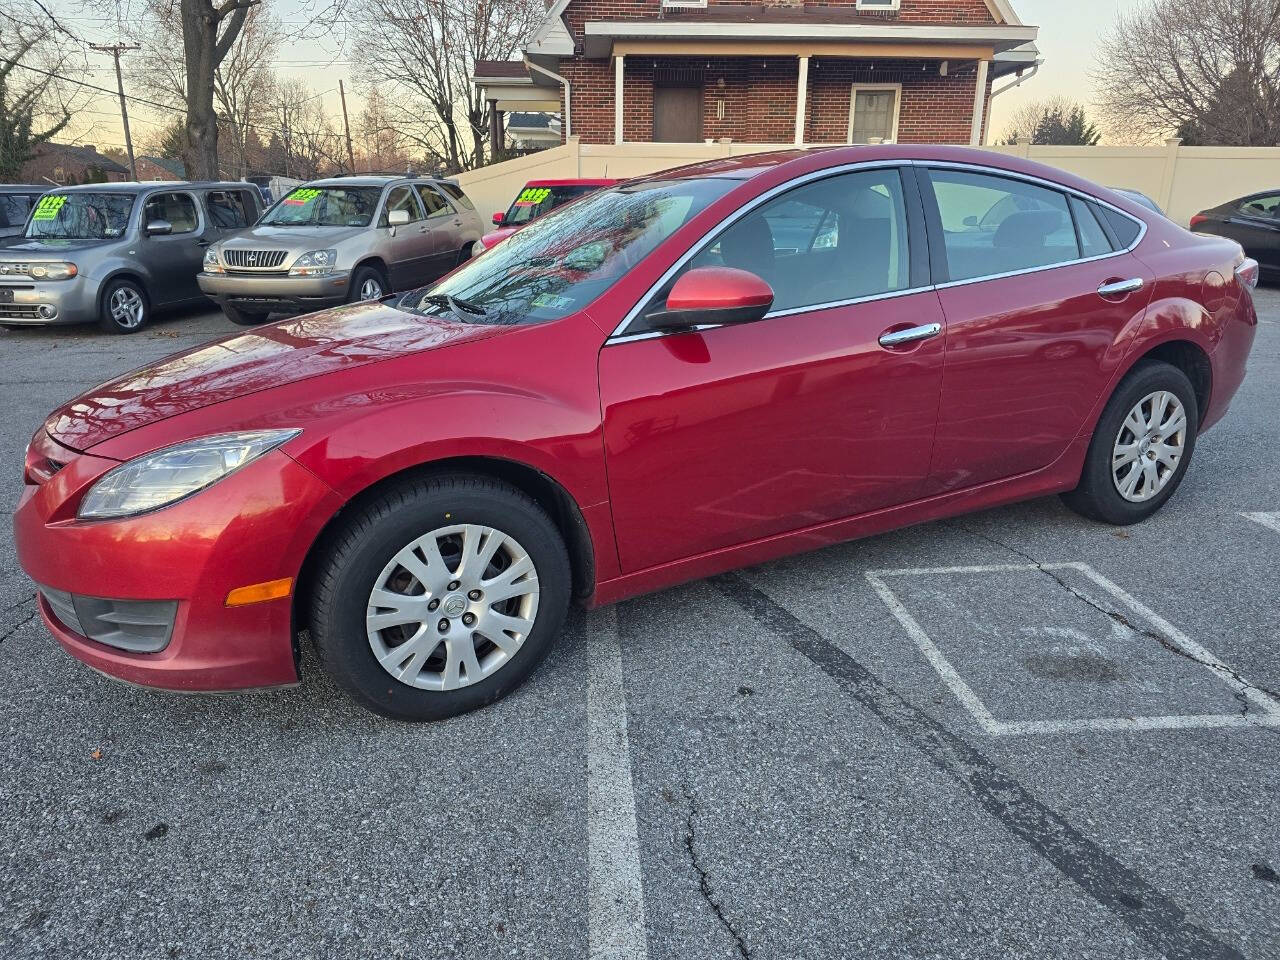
x: 243, y: 318
x: 363, y: 276
x: 124, y: 307
x: 1099, y: 495
x: 366, y: 553
x: 463, y: 255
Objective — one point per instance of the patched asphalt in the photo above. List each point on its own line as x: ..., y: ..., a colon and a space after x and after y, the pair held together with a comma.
x: 811, y: 769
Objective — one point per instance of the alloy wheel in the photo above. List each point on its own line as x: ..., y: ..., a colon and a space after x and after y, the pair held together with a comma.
x: 127, y: 308
x: 1149, y: 446
x: 371, y: 289
x: 453, y: 607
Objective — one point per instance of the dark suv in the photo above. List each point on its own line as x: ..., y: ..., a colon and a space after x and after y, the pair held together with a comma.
x: 16, y: 201
x: 112, y: 252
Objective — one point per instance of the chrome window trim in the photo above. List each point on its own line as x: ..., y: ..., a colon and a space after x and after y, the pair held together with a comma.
x: 619, y: 334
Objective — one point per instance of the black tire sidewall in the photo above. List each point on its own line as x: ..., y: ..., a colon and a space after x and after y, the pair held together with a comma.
x: 363, y: 273
x: 107, y: 322
x: 1097, y: 495
x: 242, y: 318
x: 375, y: 536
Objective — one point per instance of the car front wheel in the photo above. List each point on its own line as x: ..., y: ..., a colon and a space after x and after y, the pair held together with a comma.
x: 124, y: 307
x: 439, y: 596
x: 368, y: 283
x: 243, y: 318
x: 1141, y: 448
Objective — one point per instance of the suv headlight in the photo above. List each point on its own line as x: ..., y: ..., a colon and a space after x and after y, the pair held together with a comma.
x: 314, y: 263
x: 166, y: 476
x: 477, y: 248
x: 56, y: 270
x: 211, y: 262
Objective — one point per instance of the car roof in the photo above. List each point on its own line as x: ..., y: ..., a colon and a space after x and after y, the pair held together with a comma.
x: 23, y: 188
x: 574, y: 182
x: 135, y: 187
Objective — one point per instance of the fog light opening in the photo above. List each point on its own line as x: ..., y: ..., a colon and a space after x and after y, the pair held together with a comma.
x: 46, y: 311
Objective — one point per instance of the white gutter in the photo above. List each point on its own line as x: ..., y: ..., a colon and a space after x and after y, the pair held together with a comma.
x: 1035, y: 68
x: 568, y: 93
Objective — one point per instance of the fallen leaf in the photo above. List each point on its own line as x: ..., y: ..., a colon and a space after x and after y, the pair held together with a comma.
x: 96, y: 754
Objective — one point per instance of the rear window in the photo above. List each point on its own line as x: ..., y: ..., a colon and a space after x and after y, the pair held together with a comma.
x: 455, y: 191
x: 533, y: 202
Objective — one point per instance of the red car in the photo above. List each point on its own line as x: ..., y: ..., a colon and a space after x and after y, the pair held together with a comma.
x: 683, y: 374
x: 536, y: 199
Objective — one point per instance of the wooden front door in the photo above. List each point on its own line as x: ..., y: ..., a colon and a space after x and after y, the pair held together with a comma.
x: 677, y: 114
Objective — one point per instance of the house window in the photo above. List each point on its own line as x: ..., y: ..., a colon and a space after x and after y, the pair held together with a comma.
x: 873, y: 112
x: 878, y: 4
x: 684, y: 3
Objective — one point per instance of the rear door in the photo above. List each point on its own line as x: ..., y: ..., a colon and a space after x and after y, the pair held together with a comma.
x: 446, y: 226
x: 173, y: 260
x: 1034, y: 336
x: 722, y: 436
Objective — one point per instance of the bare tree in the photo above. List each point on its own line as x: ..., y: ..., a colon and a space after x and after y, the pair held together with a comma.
x: 1056, y: 120
x: 1208, y: 71
x: 437, y: 43
x: 36, y: 104
x: 243, y: 82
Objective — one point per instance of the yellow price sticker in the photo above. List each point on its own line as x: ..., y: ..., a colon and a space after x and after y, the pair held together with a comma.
x: 532, y: 196
x: 48, y: 207
x: 302, y: 196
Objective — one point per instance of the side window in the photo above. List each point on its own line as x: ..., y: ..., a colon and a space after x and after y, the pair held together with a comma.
x: 401, y: 198
x: 840, y: 238
x: 994, y: 225
x: 458, y: 197
x: 1093, y: 239
x: 228, y: 209
x: 1125, y: 228
x: 178, y: 208
x: 1263, y: 207
x: 432, y: 202
x: 14, y: 209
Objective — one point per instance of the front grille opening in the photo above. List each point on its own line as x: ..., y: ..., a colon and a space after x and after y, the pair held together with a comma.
x: 254, y: 259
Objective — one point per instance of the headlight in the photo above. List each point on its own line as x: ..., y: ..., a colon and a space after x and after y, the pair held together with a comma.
x: 166, y: 476
x: 57, y: 270
x: 211, y: 262
x: 477, y: 248
x: 315, y: 263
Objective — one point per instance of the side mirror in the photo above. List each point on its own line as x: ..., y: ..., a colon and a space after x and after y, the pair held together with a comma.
x: 970, y: 221
x: 714, y: 296
x: 397, y: 218
x: 499, y: 219
x: 159, y: 228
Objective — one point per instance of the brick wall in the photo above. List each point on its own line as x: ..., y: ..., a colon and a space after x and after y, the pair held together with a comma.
x: 912, y: 11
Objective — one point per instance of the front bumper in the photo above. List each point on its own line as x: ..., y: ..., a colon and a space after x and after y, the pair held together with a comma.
x: 276, y: 293
x: 44, y: 302
x: 253, y: 526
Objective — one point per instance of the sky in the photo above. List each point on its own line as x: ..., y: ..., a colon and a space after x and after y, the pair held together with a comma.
x: 1070, y: 32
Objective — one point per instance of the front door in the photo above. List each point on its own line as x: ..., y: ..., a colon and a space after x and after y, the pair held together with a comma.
x: 411, y: 247
x: 173, y: 259
x: 722, y: 436
x: 677, y: 114
x: 1032, y: 343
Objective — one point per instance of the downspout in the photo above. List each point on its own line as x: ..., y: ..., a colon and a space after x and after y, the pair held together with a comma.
x: 568, y: 93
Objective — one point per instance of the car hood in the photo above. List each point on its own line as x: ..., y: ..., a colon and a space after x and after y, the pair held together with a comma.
x: 51, y: 246
x: 268, y: 356
x: 310, y: 238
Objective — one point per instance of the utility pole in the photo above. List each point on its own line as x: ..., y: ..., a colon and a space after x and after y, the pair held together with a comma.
x: 351, y: 157
x: 284, y: 110
x: 115, y: 49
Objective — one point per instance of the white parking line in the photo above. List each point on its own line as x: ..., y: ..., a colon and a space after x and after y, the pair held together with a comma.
x: 989, y: 723
x: 1271, y: 520
x: 615, y: 895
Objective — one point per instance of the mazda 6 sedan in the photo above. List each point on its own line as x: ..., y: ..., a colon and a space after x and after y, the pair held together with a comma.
x: 672, y: 377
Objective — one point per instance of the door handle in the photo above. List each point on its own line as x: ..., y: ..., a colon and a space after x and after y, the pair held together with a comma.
x: 898, y: 338
x: 1118, y: 288
x: 203, y: 243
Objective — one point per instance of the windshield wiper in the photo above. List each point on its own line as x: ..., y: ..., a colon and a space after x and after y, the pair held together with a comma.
x: 462, y: 309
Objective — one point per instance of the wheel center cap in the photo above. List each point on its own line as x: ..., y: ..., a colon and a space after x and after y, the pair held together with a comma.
x: 454, y: 605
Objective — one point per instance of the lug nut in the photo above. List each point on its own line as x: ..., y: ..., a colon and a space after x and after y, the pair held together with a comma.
x: 454, y: 585
x: 474, y: 595
x: 444, y: 626
x: 469, y: 619
x: 433, y: 604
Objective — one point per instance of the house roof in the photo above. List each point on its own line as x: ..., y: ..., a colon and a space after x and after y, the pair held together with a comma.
x: 530, y: 121
x: 500, y: 70
x: 172, y: 164
x: 86, y: 155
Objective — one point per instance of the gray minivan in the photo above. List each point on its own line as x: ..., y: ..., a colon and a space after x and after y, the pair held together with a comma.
x: 338, y: 240
x: 113, y: 252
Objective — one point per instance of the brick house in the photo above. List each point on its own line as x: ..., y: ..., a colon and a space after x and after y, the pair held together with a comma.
x: 159, y: 168
x: 65, y: 163
x: 788, y: 71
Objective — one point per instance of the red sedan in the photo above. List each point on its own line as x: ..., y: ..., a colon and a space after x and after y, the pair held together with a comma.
x: 683, y: 374
x: 536, y: 199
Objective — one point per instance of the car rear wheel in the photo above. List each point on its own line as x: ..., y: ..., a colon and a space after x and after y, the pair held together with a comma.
x: 124, y: 307
x: 439, y: 596
x: 1141, y: 448
x: 368, y: 283
x: 243, y: 318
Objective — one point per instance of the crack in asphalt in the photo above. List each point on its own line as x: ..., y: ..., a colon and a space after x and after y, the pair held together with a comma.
x: 704, y: 880
x: 1119, y: 618
x: 14, y: 628
x: 1151, y: 915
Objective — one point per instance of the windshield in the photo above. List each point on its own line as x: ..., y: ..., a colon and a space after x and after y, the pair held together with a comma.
x: 534, y: 202
x: 325, y: 207
x: 80, y: 216
x: 565, y: 260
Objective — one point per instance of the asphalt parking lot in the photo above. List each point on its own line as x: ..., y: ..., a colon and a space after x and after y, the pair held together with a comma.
x: 1015, y: 734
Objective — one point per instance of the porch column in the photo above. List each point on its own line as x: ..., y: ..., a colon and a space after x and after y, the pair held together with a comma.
x: 979, y: 105
x: 802, y: 96
x: 619, y: 68
x: 495, y: 130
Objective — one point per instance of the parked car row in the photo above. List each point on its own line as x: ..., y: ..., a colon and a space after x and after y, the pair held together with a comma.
x: 114, y: 253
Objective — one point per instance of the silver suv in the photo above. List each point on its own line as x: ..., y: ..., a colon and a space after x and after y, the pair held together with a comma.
x: 113, y: 252
x: 340, y: 240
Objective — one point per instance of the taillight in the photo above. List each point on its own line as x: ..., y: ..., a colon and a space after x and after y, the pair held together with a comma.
x: 1198, y: 219
x: 1248, y: 272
